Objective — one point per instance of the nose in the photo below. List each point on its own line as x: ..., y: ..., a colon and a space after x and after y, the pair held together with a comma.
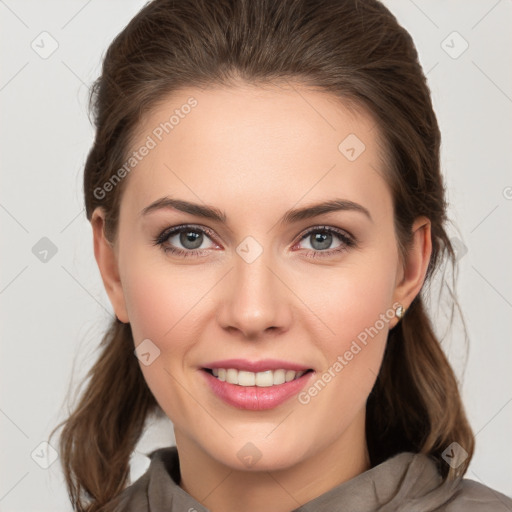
x: 255, y: 302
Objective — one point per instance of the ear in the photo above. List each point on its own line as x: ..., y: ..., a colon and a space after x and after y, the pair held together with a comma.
x: 414, y: 268
x: 106, y: 258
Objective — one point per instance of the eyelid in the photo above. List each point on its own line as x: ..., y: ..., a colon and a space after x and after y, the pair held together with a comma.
x: 347, y: 239
x: 332, y: 229
x: 167, y: 232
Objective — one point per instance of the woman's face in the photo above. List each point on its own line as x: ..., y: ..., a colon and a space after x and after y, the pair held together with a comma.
x: 265, y: 283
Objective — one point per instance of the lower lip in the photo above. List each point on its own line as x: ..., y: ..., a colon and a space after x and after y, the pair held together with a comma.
x: 255, y: 398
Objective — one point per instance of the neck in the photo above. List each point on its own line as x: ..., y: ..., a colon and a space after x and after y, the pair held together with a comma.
x: 222, y: 488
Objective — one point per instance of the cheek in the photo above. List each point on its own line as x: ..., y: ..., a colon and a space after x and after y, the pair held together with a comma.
x: 356, y: 305
x: 160, y: 298
x: 160, y: 302
x: 165, y: 304
x: 356, y: 299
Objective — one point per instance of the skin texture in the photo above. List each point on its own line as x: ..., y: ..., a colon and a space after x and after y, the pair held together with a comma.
x: 255, y: 153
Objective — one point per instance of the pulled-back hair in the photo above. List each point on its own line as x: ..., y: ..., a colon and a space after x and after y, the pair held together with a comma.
x: 353, y: 49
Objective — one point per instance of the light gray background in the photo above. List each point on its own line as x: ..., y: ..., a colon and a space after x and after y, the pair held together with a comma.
x: 53, y: 313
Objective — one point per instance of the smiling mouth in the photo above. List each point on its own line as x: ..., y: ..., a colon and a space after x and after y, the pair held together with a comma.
x: 263, y: 379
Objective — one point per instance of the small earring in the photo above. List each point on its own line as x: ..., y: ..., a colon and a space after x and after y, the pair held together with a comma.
x: 399, y: 312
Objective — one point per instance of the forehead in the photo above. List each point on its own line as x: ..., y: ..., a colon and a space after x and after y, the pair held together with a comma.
x: 256, y: 144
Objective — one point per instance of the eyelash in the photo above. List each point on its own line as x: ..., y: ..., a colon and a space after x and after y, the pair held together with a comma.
x: 348, y: 241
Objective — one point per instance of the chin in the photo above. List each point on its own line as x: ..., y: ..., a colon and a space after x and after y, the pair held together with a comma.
x: 258, y: 455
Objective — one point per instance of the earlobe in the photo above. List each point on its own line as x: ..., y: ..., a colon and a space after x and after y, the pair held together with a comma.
x: 106, y: 259
x: 415, y: 264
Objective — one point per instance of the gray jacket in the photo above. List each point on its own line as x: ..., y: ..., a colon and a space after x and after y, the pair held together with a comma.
x: 407, y: 482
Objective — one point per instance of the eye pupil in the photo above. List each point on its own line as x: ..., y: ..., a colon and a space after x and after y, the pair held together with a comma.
x: 324, y: 238
x: 191, y: 239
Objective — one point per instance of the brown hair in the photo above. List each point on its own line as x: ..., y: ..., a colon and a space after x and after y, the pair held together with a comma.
x: 354, y: 49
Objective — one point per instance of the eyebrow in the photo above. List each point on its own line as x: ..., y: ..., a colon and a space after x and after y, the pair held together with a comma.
x: 291, y: 216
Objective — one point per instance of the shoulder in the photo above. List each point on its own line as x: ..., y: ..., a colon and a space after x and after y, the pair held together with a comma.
x: 149, y: 490
x: 472, y: 496
x: 134, y: 498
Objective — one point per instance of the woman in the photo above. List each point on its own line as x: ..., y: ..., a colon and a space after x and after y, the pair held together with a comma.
x: 267, y: 208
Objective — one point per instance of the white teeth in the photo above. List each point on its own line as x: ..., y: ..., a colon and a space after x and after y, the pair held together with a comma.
x: 261, y: 379
x: 244, y: 378
x: 290, y: 375
x: 232, y: 376
x: 279, y: 376
x: 265, y: 379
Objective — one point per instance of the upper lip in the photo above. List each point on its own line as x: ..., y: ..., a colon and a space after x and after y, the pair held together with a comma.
x: 257, y: 366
